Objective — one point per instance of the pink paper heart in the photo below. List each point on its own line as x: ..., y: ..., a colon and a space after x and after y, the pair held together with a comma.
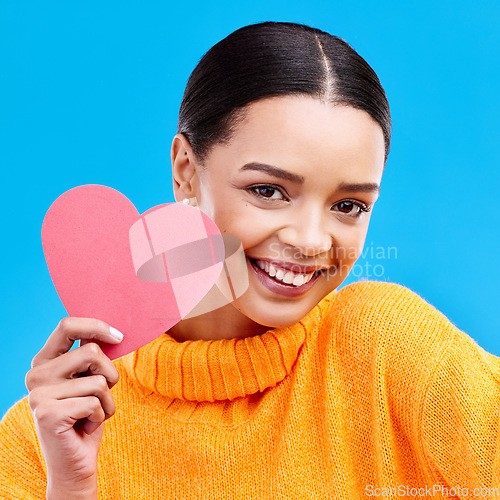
x: 85, y: 237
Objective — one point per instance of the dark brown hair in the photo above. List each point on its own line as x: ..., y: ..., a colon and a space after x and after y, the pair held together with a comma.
x: 271, y: 59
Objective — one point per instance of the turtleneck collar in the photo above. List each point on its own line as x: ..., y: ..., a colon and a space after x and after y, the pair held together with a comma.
x: 210, y: 370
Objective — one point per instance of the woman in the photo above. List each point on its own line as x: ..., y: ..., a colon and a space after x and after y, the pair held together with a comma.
x: 294, y: 390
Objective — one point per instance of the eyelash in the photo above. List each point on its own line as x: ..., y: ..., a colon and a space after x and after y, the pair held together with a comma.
x: 362, y: 207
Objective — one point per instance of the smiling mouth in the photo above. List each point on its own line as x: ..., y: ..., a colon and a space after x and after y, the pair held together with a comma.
x: 285, y: 276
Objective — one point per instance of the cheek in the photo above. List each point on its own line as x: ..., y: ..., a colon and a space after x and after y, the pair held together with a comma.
x: 245, y: 225
x: 349, y: 245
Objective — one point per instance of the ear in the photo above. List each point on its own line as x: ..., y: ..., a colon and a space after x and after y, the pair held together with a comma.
x: 184, y: 173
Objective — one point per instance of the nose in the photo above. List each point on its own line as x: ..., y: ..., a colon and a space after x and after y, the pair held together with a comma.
x: 308, y: 232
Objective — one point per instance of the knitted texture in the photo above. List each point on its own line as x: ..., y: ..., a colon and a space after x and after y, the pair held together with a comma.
x: 374, y: 388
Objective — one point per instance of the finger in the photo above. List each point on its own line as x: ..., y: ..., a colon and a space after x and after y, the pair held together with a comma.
x: 87, y: 386
x: 89, y: 427
x: 59, y: 416
x: 88, y: 359
x: 70, y: 329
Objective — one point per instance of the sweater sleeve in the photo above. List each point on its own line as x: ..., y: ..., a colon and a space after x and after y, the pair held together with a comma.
x: 431, y: 394
x: 22, y: 469
x: 460, y: 431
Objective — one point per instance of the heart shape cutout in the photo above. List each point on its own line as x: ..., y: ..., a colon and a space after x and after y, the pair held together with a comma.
x: 95, y: 241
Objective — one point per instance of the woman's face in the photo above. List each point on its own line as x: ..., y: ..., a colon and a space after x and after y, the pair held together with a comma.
x: 296, y: 184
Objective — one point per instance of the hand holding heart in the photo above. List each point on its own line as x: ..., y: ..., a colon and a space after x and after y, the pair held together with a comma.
x: 138, y: 274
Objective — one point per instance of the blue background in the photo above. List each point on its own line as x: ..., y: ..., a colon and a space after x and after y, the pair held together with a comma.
x: 89, y: 93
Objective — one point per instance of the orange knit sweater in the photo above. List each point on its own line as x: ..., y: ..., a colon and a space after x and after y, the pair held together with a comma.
x: 373, y: 394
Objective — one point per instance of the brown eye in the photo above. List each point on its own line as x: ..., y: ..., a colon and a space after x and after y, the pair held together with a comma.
x: 351, y: 208
x: 267, y: 191
x: 346, y: 206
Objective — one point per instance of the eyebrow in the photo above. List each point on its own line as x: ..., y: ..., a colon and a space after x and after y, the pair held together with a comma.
x: 274, y: 171
x: 366, y: 187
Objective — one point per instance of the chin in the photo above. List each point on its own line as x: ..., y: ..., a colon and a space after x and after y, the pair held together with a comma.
x: 278, y: 315
x: 273, y: 323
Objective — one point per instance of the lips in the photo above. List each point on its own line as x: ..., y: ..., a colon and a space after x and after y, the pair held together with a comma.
x: 291, y: 266
x: 283, y: 275
x: 302, y: 282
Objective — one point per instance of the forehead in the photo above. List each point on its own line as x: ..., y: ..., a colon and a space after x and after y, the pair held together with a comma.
x: 304, y: 134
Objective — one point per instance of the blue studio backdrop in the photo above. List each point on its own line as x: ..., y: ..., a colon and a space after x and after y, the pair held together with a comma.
x: 90, y: 93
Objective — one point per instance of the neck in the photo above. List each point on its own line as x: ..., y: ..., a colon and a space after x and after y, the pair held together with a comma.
x: 223, y: 323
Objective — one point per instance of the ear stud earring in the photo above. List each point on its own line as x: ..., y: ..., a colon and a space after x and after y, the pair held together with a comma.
x: 191, y: 202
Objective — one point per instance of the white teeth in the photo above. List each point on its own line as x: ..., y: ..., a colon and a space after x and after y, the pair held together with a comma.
x: 298, y: 280
x: 288, y: 277
x: 272, y: 271
x: 307, y: 278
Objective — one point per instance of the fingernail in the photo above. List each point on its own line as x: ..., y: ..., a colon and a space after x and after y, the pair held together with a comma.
x: 116, y: 334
